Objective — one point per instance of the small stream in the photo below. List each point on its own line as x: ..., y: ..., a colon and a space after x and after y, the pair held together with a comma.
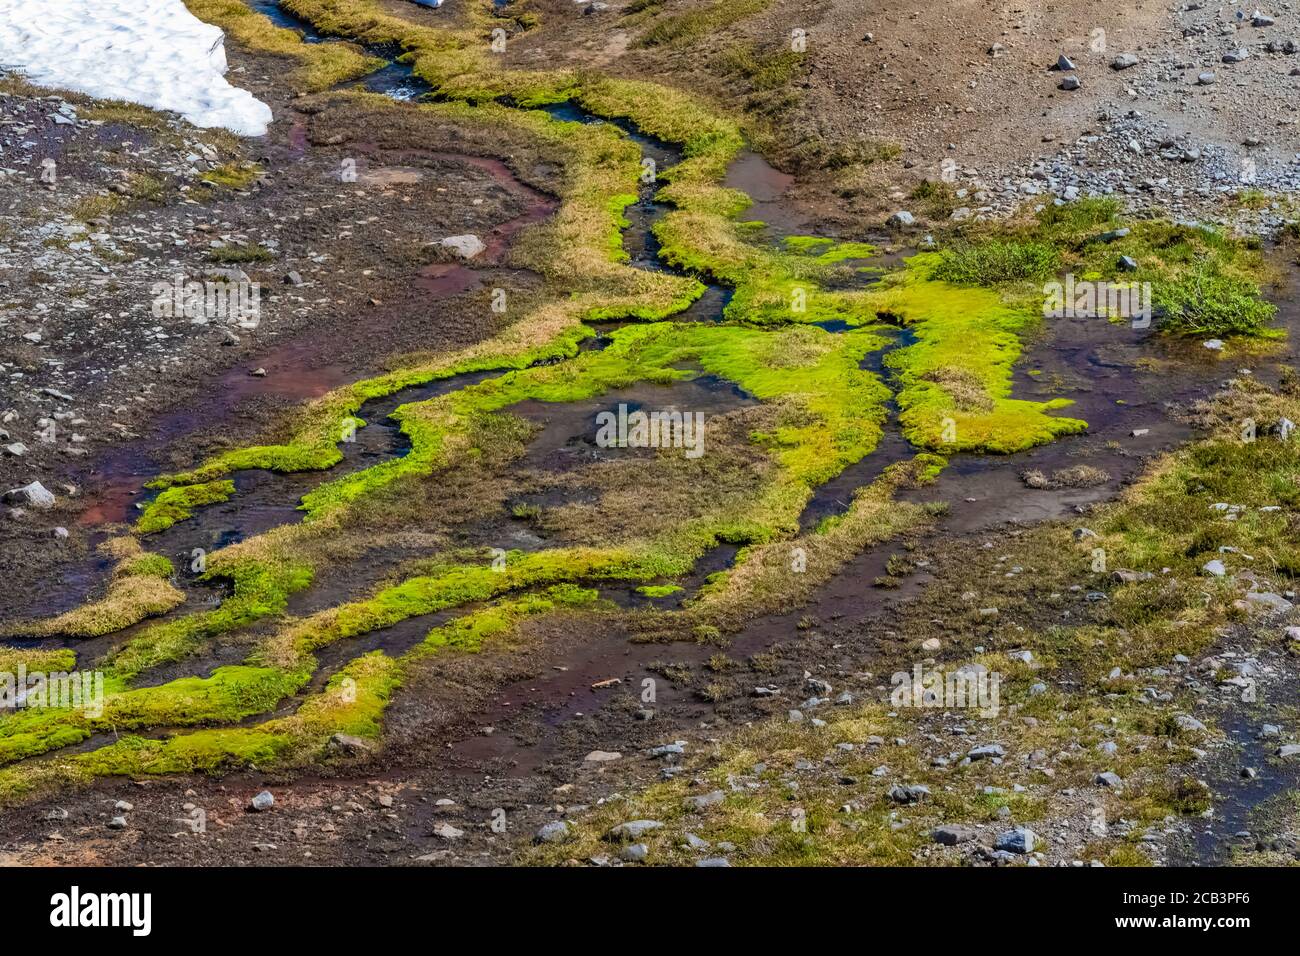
x: 1091, y: 361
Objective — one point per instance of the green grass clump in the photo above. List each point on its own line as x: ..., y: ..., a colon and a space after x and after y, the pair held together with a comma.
x: 320, y: 65
x: 658, y: 590
x: 997, y: 261
x: 695, y: 25
x: 236, y: 175
x: 235, y: 254
x: 178, y: 503
x: 139, y: 588
x: 765, y: 70
x: 1207, y: 301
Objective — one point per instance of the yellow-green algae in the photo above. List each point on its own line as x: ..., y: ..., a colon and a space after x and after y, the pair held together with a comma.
x: 140, y: 587
x: 177, y: 503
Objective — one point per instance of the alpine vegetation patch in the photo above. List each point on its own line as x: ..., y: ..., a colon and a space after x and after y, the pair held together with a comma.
x: 657, y: 429
x: 1085, y: 299
x: 971, y: 686
x: 75, y: 909
x: 79, y: 690
x: 237, y: 302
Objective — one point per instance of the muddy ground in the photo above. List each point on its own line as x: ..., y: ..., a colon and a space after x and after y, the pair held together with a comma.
x: 511, y: 730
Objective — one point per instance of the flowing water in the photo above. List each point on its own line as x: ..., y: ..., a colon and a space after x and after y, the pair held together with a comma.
x: 1097, y: 364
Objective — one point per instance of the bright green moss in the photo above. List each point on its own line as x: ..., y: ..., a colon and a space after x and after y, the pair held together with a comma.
x: 658, y: 590
x: 178, y: 503
x: 259, y: 591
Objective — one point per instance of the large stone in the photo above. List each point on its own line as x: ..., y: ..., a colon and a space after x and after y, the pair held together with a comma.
x: 35, y: 495
x: 1268, y: 601
x: 711, y: 799
x: 632, y: 829
x: 467, y: 246
x: 1189, y: 723
x: 950, y: 834
x: 557, y: 831
x: 446, y: 831
x: 348, y: 744
x: 263, y: 801
x: 1124, y: 61
x: 1019, y: 840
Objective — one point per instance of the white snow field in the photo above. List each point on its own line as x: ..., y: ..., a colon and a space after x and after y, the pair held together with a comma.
x: 152, y: 52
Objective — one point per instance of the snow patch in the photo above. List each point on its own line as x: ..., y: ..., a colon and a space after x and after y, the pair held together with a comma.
x: 152, y: 52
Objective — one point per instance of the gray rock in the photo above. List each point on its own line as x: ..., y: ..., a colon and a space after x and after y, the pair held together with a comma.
x: 557, y: 831
x: 713, y: 861
x: 1289, y: 750
x: 1127, y: 264
x: 1269, y: 601
x: 901, y: 218
x: 117, y: 823
x: 466, y: 246
x: 986, y: 751
x: 34, y: 495
x: 445, y: 831
x: 1188, y: 722
x: 1070, y: 82
x: 634, y: 853
x: 1206, y: 79
x: 632, y: 829
x: 1124, y: 61
x: 1064, y: 64
x: 1108, y: 779
x: 951, y: 834
x: 263, y: 801
x: 348, y: 744
x: 1214, y: 568
x: 1236, y: 56
x: 711, y: 799
x: 908, y: 793
x: 695, y: 843
x: 1019, y: 840
x: 818, y: 688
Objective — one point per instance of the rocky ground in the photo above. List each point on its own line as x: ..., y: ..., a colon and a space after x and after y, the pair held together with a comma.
x: 104, y: 386
x: 1157, y: 103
